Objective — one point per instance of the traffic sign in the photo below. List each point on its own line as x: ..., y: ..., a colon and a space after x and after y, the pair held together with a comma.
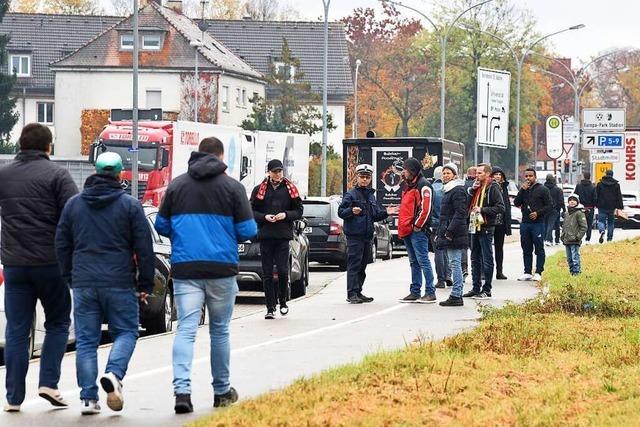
x: 492, y: 128
x: 604, y: 157
x: 603, y: 119
x: 555, y: 146
x: 599, y: 141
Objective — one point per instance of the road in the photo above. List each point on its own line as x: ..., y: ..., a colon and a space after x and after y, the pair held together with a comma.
x: 321, y: 331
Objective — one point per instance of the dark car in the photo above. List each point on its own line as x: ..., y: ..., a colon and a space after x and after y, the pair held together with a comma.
x: 250, y: 275
x: 328, y: 244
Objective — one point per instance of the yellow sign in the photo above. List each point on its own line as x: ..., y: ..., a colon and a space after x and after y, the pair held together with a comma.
x: 600, y: 169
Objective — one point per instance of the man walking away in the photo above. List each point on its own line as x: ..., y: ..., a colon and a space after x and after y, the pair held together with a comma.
x: 486, y: 205
x: 453, y: 232
x: 276, y: 205
x: 33, y: 193
x: 414, y: 219
x: 206, y: 214
x: 104, y: 220
x: 503, y: 222
x: 534, y: 201
x: 552, y: 220
x: 359, y: 210
x: 443, y: 272
x: 573, y: 230
x: 608, y: 201
x: 586, y: 191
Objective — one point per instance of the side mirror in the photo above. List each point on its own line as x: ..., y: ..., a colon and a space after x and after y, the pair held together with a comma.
x: 164, y: 161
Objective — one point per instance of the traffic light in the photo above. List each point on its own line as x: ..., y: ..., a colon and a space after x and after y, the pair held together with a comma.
x: 567, y: 165
x: 574, y: 167
x: 558, y: 164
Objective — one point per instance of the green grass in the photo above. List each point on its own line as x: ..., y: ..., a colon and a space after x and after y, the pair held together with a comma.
x: 568, y: 357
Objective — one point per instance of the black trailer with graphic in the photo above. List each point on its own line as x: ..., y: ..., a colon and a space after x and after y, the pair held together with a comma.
x: 384, y: 153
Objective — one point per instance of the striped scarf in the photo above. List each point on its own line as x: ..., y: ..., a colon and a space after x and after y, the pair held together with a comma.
x: 262, y: 191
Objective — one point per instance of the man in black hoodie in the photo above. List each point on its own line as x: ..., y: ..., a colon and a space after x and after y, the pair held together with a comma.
x: 105, y: 252
x: 608, y: 200
x: 552, y: 220
x: 586, y: 191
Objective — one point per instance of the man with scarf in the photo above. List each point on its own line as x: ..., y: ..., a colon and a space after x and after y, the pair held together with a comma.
x: 276, y: 205
x: 486, y: 205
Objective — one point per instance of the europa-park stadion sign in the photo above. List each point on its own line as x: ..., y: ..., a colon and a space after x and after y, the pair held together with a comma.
x: 555, y: 143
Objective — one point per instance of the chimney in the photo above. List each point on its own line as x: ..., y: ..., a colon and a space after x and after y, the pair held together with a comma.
x: 175, y: 5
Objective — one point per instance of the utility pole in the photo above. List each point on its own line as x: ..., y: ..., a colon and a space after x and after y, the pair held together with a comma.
x: 325, y: 132
x: 134, y: 121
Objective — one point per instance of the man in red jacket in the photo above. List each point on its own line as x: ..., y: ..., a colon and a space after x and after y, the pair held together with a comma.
x: 414, y: 220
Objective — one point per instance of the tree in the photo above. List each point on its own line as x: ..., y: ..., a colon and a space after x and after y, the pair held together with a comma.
x: 8, y: 115
x: 269, y: 10
x: 288, y: 107
x: 24, y: 6
x: 122, y: 7
x: 214, y: 9
x: 73, y: 7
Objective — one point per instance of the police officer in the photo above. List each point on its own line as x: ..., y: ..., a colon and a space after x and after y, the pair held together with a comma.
x: 359, y: 210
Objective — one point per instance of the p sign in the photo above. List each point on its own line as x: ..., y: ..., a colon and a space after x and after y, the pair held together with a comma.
x: 601, y: 169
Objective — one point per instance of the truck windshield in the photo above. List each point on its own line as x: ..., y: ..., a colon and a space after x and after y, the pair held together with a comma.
x: 147, y: 157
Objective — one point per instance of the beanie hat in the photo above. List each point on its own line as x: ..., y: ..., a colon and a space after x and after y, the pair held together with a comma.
x: 575, y: 197
x: 609, y: 172
x: 437, y: 173
x: 413, y: 166
x: 452, y: 167
x: 551, y: 178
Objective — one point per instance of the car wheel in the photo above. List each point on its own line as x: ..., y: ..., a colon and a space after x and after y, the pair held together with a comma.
x: 343, y: 265
x: 374, y: 252
x: 163, y: 321
x: 300, y: 286
x: 389, y: 253
x: 32, y: 338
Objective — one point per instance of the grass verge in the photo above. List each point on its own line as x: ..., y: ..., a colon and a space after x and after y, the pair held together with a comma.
x: 568, y: 357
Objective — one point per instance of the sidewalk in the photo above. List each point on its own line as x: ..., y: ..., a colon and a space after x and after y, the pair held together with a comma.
x: 320, y: 332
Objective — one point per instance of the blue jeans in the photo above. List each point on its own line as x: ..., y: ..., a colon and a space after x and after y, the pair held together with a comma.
x: 23, y: 287
x: 532, y: 237
x: 573, y: 258
x: 455, y: 263
x: 119, y: 308
x: 551, y: 223
x: 190, y: 296
x: 417, y: 244
x: 482, y: 261
x: 606, y: 221
x: 358, y: 256
x: 443, y: 271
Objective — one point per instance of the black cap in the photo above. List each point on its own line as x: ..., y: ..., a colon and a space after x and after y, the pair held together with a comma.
x: 274, y: 165
x: 413, y: 166
x: 609, y: 172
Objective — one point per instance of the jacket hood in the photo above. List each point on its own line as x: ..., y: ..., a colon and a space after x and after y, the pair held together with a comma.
x: 586, y: 182
x: 26, y: 155
x: 452, y: 184
x: 608, y: 180
x: 550, y: 184
x: 101, y: 190
x: 578, y: 207
x: 204, y: 165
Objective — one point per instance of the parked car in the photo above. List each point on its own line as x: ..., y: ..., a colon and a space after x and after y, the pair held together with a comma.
x: 250, y: 269
x: 516, y: 213
x: 631, y: 202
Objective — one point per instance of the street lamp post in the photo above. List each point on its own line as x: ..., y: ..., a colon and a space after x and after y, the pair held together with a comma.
x: 134, y: 112
x: 354, y: 132
x: 443, y: 33
x: 323, y: 172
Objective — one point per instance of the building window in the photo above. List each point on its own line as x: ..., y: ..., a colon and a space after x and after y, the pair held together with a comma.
x: 255, y: 97
x: 20, y: 65
x: 45, y: 112
x: 126, y: 41
x: 154, y: 98
x: 244, y: 97
x: 151, y: 41
x: 225, y: 98
x: 288, y: 71
x: 238, y: 96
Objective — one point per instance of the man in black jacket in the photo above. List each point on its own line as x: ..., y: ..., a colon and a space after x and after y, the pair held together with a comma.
x: 608, y: 200
x: 105, y: 253
x: 534, y: 201
x: 33, y: 193
x: 276, y: 205
x: 552, y: 220
x: 586, y: 191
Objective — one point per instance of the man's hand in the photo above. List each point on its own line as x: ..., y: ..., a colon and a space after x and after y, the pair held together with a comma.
x: 416, y: 229
x: 533, y: 215
x: 393, y: 210
x: 356, y: 210
x: 525, y: 185
x: 281, y: 216
x: 270, y: 218
x: 476, y: 209
x: 142, y: 296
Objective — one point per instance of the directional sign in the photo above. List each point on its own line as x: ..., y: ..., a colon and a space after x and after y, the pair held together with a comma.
x: 603, y: 119
x: 602, y: 157
x: 493, y: 108
x: 555, y: 146
x: 599, y: 141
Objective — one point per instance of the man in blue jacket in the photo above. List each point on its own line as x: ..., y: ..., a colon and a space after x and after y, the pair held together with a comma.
x: 359, y: 210
x: 105, y: 252
x: 206, y: 214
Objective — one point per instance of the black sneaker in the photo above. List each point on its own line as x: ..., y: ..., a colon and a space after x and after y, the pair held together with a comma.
x: 449, y: 283
x: 183, y: 404
x: 483, y: 295
x: 227, y: 399
x: 270, y: 315
x: 601, y: 239
x: 470, y: 294
x: 410, y: 298
x: 365, y: 298
x: 500, y: 276
x: 452, y: 302
x: 427, y: 299
x: 441, y: 284
x: 354, y: 299
x: 284, y: 309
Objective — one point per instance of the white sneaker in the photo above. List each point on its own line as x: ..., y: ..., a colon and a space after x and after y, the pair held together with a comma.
x: 11, y: 408
x: 525, y: 278
x: 90, y: 407
x: 547, y: 243
x: 53, y: 396
x: 536, y: 277
x: 113, y: 387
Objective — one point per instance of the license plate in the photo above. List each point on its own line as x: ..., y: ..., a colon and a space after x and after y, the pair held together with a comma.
x: 241, y: 248
x: 308, y: 230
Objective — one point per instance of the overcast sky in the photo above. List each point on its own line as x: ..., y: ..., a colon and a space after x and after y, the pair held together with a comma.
x: 609, y: 23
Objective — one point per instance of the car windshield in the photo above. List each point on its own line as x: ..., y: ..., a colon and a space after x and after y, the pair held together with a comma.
x: 147, y: 157
x: 317, y: 210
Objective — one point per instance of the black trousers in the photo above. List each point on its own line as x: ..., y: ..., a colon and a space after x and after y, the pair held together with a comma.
x: 498, y: 243
x: 275, y: 252
x: 589, y: 214
x: 358, y: 256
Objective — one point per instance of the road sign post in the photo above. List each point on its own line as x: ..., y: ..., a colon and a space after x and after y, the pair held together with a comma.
x: 555, y: 144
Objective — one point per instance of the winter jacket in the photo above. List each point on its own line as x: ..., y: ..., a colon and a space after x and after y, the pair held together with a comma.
x: 492, y: 205
x: 360, y: 226
x: 438, y: 194
x: 608, y: 194
x: 534, y: 199
x: 416, y: 206
x: 206, y: 214
x: 586, y: 191
x: 275, y: 201
x: 574, y: 226
x: 453, y: 230
x: 33, y: 192
x: 103, y: 239
x: 504, y: 220
x: 557, y: 197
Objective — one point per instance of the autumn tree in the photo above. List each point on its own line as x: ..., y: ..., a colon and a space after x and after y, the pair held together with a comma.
x: 213, y: 9
x: 269, y: 10
x: 8, y: 116
x: 613, y: 82
x: 72, y: 7
x: 24, y: 6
